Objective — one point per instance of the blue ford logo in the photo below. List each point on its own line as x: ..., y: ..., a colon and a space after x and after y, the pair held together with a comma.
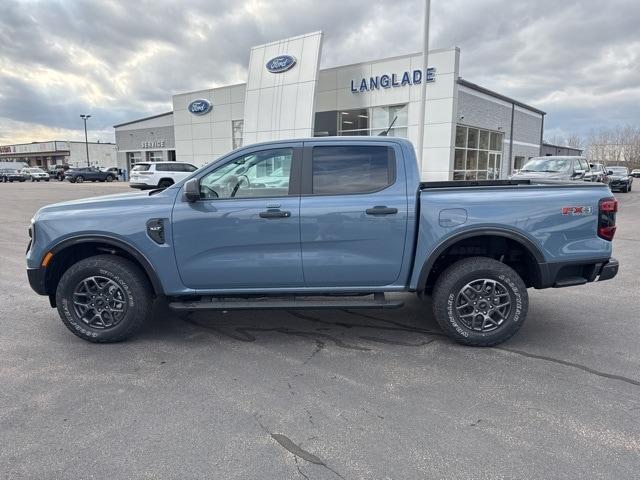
x: 281, y: 64
x: 200, y: 106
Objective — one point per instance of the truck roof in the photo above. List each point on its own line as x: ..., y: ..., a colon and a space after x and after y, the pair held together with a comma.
x: 340, y: 139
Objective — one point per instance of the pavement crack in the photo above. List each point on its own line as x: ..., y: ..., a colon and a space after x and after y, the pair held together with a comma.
x: 399, y: 327
x: 298, y: 467
x: 567, y: 363
x: 293, y: 448
x: 319, y: 346
x: 244, y: 334
x: 397, y: 342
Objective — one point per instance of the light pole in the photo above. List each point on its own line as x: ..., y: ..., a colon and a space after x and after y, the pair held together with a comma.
x: 86, y: 142
x: 423, y: 84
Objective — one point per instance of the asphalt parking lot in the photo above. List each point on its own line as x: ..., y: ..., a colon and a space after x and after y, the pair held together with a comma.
x: 333, y: 394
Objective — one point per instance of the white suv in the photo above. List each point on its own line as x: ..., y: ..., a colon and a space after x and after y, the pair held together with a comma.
x: 159, y: 174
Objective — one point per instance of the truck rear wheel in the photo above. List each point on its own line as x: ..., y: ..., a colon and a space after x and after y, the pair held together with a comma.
x: 104, y: 299
x: 479, y: 301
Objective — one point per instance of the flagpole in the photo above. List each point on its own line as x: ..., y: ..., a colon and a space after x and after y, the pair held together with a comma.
x: 423, y: 85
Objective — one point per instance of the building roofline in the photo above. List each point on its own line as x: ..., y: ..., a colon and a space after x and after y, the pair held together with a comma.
x: 55, y: 141
x: 560, y: 146
x: 396, y: 57
x: 491, y: 93
x: 143, y: 119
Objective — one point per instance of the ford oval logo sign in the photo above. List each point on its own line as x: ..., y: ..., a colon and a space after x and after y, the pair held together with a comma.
x: 200, y: 106
x: 281, y: 64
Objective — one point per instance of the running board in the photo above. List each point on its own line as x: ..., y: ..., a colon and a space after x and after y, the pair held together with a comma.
x: 280, y: 303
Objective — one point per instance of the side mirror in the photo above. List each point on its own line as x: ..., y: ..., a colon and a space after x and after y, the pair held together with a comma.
x: 192, y: 190
x: 609, y: 172
x: 578, y: 173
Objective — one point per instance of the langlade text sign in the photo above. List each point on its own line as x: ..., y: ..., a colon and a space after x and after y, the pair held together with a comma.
x: 392, y: 80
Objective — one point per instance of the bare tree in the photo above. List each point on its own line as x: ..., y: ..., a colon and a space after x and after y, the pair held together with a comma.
x: 630, y: 137
x: 574, y: 140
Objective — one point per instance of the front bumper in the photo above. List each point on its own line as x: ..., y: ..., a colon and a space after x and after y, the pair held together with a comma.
x: 617, y: 184
x: 142, y: 186
x: 36, y: 278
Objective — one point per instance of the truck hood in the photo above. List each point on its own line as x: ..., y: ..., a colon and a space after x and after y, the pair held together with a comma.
x: 119, y: 202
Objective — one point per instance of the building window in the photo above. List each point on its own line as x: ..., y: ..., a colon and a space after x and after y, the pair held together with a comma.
x: 363, y: 121
x: 237, y: 126
x: 478, y: 154
x: 518, y: 162
x: 134, y: 157
x: 155, y: 156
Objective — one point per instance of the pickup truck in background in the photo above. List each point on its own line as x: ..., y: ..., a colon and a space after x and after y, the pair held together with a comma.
x: 321, y: 223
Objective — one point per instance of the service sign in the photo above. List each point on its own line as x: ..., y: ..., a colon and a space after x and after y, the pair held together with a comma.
x: 200, y: 106
x: 281, y: 63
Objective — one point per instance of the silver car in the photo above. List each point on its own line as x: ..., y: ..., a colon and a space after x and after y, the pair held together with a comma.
x: 553, y: 168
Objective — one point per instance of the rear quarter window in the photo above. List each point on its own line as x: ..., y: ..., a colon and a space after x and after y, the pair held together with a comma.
x: 141, y: 168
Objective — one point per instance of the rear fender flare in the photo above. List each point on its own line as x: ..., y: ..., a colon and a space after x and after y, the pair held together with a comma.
x: 526, y: 243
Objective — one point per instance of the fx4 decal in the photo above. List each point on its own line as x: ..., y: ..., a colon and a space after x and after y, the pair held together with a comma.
x: 577, y: 210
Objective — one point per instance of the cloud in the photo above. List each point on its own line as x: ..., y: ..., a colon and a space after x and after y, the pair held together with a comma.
x: 119, y: 60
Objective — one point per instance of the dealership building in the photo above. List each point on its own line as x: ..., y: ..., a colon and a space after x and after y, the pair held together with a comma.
x: 469, y: 132
x: 46, y: 154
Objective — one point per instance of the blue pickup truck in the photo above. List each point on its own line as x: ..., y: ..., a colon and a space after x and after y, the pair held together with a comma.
x: 321, y: 223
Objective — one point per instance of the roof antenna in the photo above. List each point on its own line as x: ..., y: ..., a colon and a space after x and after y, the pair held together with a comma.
x: 386, y: 132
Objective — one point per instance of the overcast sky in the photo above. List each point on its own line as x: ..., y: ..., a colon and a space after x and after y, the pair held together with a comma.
x: 119, y: 60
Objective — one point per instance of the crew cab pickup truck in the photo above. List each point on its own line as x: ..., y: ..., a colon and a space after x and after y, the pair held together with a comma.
x: 321, y: 223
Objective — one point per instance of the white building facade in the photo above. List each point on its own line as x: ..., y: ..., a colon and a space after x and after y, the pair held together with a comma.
x: 46, y: 154
x: 469, y: 132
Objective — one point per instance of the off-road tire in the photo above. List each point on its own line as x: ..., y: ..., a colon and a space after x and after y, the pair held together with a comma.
x: 453, y: 280
x: 127, y: 276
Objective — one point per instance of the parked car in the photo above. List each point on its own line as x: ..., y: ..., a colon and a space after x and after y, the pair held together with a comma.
x: 92, y: 174
x: 619, y: 179
x: 553, y: 168
x: 598, y: 173
x: 635, y: 172
x: 57, y: 171
x: 145, y: 175
x: 279, y: 224
x: 115, y: 171
x: 35, y: 174
x: 11, y: 175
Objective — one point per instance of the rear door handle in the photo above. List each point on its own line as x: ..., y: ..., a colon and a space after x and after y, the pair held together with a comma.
x: 381, y: 210
x: 275, y: 213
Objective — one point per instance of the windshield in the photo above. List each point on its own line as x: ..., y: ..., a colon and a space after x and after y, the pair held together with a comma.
x: 35, y: 170
x: 619, y: 170
x: 547, y: 165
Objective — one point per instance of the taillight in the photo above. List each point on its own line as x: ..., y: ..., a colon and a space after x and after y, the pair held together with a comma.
x: 607, y: 208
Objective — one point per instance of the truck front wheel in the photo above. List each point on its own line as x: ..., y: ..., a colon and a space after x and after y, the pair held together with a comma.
x: 480, y: 301
x: 104, y: 299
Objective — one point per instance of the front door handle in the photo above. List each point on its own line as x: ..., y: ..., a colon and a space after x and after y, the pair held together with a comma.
x: 381, y: 210
x: 275, y: 213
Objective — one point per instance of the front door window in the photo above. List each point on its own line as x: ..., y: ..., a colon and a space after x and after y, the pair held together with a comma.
x: 260, y: 174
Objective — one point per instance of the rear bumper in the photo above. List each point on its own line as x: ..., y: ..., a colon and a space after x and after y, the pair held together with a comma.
x: 569, y: 274
x: 608, y: 270
x: 36, y: 280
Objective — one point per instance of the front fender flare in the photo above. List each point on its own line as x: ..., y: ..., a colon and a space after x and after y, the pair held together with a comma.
x: 144, y: 262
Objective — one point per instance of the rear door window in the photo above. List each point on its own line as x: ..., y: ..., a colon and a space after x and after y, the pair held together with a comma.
x: 165, y: 167
x: 349, y: 169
